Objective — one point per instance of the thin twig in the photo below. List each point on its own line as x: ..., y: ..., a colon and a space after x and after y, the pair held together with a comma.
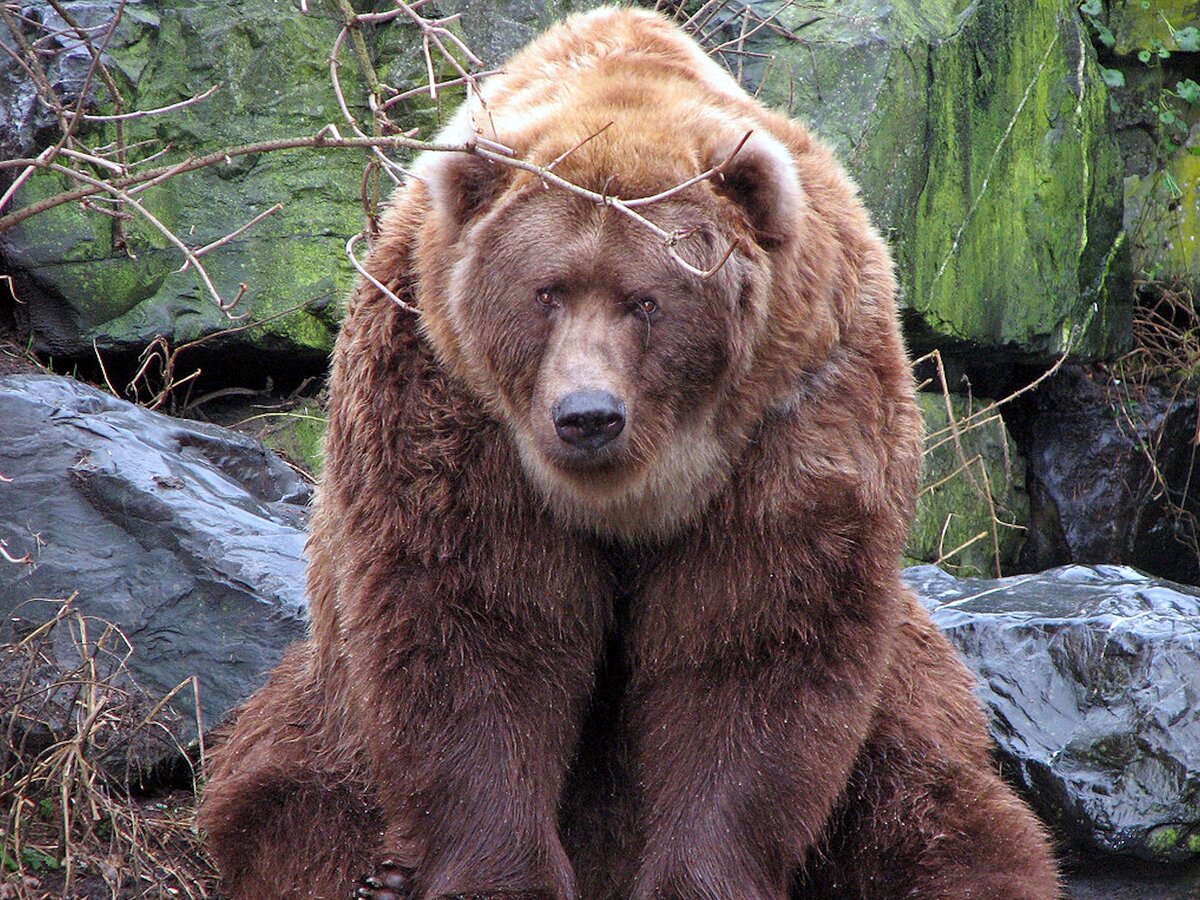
x: 233, y: 235
x: 143, y: 113
x: 387, y: 292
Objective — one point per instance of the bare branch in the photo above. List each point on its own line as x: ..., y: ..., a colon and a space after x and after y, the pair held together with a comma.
x: 670, y: 239
x: 423, y: 89
x: 718, y: 169
x: 595, y: 134
x: 8, y: 557
x: 24, y: 176
x: 387, y: 292
x: 221, y: 242
x: 192, y: 164
x: 143, y: 113
x: 162, y: 229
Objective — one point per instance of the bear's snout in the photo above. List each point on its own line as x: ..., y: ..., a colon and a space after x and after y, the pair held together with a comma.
x: 588, y: 419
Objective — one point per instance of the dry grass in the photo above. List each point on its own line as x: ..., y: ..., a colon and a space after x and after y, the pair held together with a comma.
x: 79, y: 736
x: 1164, y: 367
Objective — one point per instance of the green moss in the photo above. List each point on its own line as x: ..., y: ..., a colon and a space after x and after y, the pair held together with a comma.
x: 961, y: 472
x: 1163, y: 216
x: 860, y: 80
x: 273, y: 70
x: 979, y: 135
x: 1016, y: 212
x: 1136, y: 24
x: 1163, y: 839
x: 297, y: 434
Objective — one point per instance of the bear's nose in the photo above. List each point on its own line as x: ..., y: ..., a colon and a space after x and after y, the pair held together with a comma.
x: 588, y: 419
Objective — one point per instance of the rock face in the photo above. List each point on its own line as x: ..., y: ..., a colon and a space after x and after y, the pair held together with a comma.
x: 79, y: 284
x: 187, y: 536
x: 1090, y: 675
x: 979, y: 134
x: 1154, y: 52
x: 973, y: 511
x: 1106, y: 464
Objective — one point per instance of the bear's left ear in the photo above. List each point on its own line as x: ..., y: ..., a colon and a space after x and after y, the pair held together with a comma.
x: 761, y: 178
x: 460, y: 184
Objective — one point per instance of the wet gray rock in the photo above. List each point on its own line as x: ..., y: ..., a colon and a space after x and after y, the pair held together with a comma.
x: 1091, y: 676
x: 1110, y: 475
x: 187, y: 536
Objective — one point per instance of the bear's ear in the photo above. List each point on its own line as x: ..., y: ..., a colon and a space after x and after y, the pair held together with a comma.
x: 460, y: 184
x: 761, y: 178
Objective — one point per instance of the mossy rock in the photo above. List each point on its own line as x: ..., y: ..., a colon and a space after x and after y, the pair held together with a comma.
x: 1162, y: 215
x: 79, y: 282
x: 1149, y: 24
x: 973, y: 511
x: 271, y: 64
x: 979, y: 135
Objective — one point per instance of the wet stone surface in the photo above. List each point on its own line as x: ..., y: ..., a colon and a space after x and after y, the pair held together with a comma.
x: 1090, y: 675
x: 187, y: 537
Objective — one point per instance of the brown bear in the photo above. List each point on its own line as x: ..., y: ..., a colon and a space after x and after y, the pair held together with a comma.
x: 604, y: 567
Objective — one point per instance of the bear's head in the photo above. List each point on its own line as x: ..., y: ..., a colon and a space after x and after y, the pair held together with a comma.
x: 628, y: 382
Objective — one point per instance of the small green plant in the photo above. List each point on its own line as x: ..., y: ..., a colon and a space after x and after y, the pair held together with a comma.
x: 1188, y: 93
x: 31, y: 859
x: 1171, y: 105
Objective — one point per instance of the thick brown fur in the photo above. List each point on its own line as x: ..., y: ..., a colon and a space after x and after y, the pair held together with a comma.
x: 683, y: 666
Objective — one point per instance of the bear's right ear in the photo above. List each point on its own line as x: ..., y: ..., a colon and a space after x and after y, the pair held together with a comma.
x: 460, y: 184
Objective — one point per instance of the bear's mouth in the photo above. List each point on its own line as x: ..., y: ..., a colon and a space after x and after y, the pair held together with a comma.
x: 595, y: 462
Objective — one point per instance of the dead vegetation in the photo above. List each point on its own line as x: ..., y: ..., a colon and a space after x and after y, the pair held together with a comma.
x: 86, y: 813
x: 1161, y: 372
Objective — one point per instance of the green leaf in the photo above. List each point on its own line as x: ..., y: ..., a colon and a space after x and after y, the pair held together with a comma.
x: 1188, y: 39
x: 39, y: 861
x: 1166, y: 116
x: 1114, y: 78
x: 1091, y: 7
x: 1144, y: 55
x: 1188, y: 91
x: 1163, y: 53
x: 1195, y: 151
x: 1104, y: 34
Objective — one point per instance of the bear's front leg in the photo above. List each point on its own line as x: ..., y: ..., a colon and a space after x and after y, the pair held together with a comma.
x: 466, y: 684
x: 475, y: 704
x: 756, y: 673
x: 474, y: 713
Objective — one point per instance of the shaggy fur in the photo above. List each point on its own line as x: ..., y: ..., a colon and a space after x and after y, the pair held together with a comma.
x: 682, y: 665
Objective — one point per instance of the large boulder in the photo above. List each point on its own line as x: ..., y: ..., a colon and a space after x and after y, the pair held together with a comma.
x: 1090, y: 676
x: 187, y: 537
x: 979, y: 134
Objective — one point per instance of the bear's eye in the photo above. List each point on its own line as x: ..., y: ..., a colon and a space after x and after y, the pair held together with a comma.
x: 548, y: 298
x: 647, y: 306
